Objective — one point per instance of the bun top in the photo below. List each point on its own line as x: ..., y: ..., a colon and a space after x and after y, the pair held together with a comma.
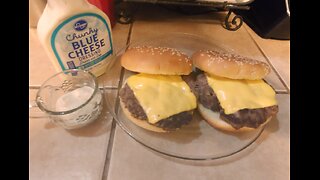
x: 229, y: 65
x: 156, y: 60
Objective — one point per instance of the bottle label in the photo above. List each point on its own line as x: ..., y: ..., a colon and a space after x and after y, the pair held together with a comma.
x: 82, y: 41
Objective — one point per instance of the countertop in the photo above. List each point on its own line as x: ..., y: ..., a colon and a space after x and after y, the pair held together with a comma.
x: 102, y: 150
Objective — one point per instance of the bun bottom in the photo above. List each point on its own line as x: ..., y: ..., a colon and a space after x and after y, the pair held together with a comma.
x: 141, y: 123
x: 213, y: 119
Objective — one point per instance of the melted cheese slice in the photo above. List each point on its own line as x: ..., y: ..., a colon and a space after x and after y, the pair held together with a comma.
x: 161, y: 96
x: 235, y: 95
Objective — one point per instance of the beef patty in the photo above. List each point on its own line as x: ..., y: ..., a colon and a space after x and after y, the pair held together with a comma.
x: 132, y: 104
x: 252, y: 118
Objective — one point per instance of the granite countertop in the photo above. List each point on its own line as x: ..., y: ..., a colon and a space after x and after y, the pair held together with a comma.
x: 102, y: 150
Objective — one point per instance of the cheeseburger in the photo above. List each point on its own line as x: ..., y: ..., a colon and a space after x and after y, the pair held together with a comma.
x: 157, y: 98
x: 232, y: 94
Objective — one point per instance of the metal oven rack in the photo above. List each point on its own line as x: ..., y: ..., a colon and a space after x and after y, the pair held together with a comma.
x: 124, y: 15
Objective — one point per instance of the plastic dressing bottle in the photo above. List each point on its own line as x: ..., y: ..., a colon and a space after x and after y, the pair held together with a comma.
x: 76, y: 35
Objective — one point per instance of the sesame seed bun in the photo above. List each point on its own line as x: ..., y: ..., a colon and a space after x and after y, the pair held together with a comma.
x: 229, y: 65
x: 156, y: 60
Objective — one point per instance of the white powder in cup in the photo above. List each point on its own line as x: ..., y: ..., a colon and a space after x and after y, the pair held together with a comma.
x: 74, y: 99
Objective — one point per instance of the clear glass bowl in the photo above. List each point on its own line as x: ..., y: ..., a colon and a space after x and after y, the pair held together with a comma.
x: 196, y: 141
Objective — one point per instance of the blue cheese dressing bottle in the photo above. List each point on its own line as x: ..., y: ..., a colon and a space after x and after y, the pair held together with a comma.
x: 76, y: 35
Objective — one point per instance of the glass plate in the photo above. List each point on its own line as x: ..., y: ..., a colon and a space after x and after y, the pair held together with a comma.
x: 196, y: 141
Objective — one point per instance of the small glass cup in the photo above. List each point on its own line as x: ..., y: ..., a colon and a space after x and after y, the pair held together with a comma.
x: 71, y: 98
